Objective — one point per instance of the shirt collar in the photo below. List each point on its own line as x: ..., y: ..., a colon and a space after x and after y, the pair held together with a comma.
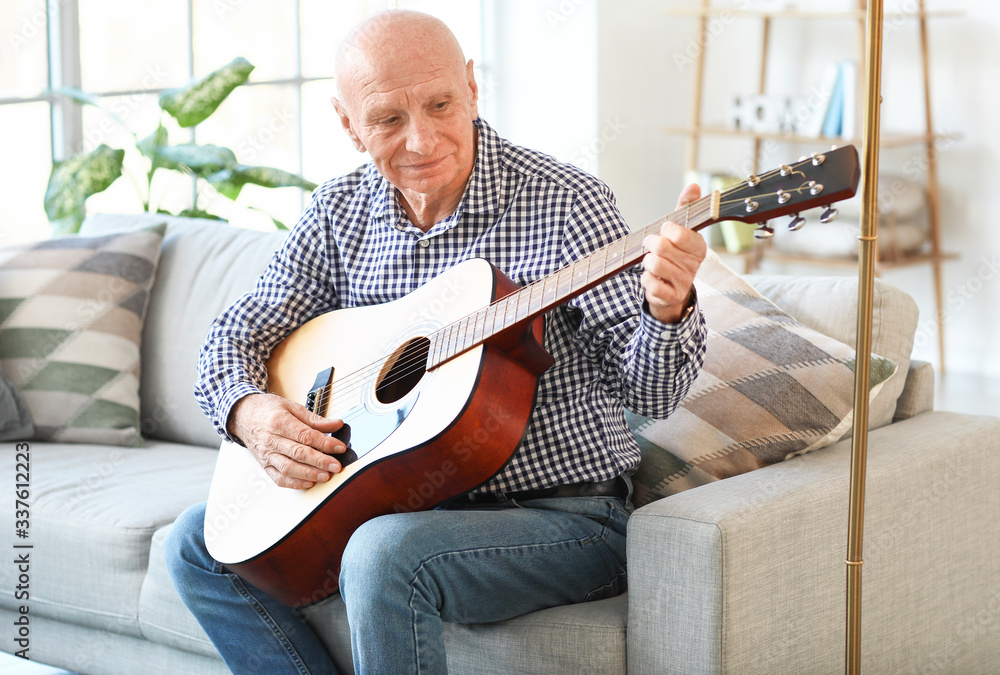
x: 485, y: 190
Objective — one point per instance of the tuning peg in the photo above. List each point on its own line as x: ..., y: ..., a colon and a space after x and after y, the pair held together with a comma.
x: 796, y: 223
x: 764, y: 231
x: 829, y: 215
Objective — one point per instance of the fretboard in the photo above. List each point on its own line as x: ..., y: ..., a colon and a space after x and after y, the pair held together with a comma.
x: 570, y: 281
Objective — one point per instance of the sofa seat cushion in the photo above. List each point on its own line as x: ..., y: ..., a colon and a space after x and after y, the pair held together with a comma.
x: 93, y: 512
x: 583, y: 639
x: 163, y: 618
x: 578, y: 639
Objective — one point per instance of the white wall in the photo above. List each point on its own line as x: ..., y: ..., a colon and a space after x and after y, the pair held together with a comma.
x: 644, y: 83
x: 544, y: 87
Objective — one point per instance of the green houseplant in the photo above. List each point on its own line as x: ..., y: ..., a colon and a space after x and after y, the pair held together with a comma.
x: 74, y: 180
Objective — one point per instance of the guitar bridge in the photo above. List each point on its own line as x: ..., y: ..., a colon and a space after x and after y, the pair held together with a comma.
x: 315, y: 401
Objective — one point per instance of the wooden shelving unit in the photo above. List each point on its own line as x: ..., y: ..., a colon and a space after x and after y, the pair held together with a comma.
x: 697, y: 129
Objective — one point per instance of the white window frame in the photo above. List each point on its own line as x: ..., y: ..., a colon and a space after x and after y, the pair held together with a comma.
x: 63, y: 50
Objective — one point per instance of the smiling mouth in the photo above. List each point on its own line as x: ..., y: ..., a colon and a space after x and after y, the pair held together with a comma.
x: 425, y: 165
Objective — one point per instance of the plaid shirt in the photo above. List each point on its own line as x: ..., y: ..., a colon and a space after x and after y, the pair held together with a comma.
x: 527, y: 214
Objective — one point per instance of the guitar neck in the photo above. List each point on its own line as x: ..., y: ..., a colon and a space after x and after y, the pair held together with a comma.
x: 578, y: 277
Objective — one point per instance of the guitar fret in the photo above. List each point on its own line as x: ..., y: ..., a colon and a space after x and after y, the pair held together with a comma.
x: 450, y: 340
x: 550, y: 291
x: 475, y: 329
x: 456, y: 338
x: 534, y: 303
x: 565, y: 281
x: 479, y: 327
x: 519, y: 312
x: 489, y: 322
x: 507, y: 312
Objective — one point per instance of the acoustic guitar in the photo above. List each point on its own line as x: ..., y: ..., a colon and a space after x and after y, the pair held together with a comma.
x: 436, y: 389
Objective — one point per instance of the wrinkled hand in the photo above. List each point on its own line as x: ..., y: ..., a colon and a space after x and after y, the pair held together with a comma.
x: 673, y: 260
x: 288, y: 440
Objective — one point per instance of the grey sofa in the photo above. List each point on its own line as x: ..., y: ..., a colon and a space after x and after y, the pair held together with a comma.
x: 745, y: 575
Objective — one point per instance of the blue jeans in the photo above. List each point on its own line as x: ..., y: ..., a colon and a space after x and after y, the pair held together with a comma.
x: 404, y: 575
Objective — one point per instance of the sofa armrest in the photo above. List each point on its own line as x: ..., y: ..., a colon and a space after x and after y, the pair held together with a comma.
x: 747, y: 575
x: 918, y: 393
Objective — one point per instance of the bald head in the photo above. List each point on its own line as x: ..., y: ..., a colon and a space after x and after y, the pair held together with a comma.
x: 384, y: 41
x: 408, y: 98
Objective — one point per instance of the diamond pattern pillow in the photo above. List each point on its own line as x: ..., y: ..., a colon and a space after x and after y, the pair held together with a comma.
x: 71, y: 313
x: 771, y: 388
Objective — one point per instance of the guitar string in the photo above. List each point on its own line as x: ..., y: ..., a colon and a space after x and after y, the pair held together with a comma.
x: 416, y: 363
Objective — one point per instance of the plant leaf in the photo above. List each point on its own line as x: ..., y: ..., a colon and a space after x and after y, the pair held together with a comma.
x: 193, y: 103
x: 271, y: 178
x: 223, y: 182
x: 150, y: 145
x: 201, y: 160
x: 230, y: 182
x: 73, y: 180
x: 83, y: 98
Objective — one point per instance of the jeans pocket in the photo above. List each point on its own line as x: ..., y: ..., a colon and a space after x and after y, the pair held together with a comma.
x: 612, y: 589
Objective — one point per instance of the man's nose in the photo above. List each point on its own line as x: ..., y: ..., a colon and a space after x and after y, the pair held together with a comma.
x: 421, y: 136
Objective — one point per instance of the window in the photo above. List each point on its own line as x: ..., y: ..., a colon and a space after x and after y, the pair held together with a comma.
x: 128, y: 51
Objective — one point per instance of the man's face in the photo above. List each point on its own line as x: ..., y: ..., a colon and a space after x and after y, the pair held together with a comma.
x: 414, y: 117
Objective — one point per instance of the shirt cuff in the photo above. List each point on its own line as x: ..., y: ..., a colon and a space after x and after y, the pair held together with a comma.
x: 229, y: 399
x: 661, y: 336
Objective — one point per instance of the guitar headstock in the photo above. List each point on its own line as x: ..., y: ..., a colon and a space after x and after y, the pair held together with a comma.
x: 818, y: 180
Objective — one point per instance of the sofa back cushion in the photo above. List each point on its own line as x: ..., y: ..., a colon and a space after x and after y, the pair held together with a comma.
x: 771, y: 387
x: 71, y: 320
x: 830, y: 305
x: 204, y: 266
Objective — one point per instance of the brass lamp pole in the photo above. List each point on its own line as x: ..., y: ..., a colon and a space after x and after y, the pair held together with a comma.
x: 862, y: 373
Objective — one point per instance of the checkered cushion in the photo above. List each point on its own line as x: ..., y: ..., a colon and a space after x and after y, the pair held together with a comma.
x: 71, y: 312
x: 771, y: 388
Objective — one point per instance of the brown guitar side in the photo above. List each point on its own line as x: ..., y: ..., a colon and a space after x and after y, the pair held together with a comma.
x: 303, y: 568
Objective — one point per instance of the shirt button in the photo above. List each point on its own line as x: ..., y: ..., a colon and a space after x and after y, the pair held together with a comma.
x: 424, y: 243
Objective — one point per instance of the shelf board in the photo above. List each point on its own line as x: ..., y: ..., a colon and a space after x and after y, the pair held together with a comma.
x: 892, y: 140
x: 845, y: 261
x: 804, y: 13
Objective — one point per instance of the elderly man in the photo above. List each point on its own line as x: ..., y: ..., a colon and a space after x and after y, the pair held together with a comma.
x: 443, y: 187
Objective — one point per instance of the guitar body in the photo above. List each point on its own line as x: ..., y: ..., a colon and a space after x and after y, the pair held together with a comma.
x: 435, y: 434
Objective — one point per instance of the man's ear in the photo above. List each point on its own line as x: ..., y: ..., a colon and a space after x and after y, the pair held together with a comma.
x: 345, y: 121
x: 470, y: 77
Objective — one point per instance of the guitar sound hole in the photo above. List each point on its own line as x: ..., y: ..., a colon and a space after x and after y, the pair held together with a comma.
x: 403, y: 370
